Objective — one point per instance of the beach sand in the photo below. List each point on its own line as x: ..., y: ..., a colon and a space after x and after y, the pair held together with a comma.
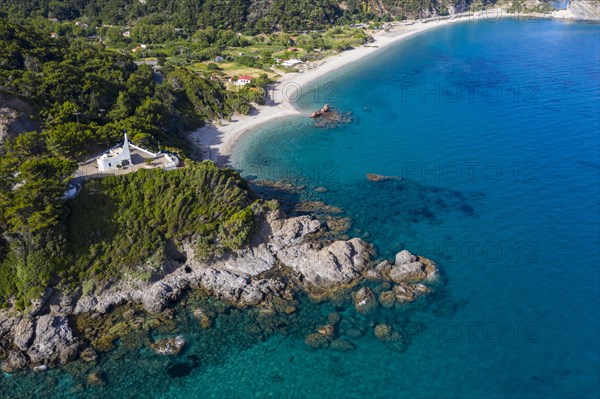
x: 217, y: 139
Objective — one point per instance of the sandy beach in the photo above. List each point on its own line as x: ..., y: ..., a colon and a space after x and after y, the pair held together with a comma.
x: 217, y: 139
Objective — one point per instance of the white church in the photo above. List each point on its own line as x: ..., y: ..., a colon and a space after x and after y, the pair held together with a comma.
x: 116, y: 157
x: 126, y: 158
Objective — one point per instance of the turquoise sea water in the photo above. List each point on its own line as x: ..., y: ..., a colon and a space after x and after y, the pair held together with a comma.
x: 494, y: 130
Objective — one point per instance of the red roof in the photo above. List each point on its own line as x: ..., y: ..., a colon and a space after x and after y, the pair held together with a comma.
x: 245, y: 77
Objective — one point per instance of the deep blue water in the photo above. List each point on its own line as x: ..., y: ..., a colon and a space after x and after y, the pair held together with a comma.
x: 494, y: 128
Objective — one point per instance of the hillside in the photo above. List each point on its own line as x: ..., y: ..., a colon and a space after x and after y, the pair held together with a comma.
x: 249, y: 15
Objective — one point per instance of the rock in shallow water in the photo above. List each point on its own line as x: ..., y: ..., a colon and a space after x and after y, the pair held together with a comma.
x: 341, y: 345
x: 96, y: 378
x: 168, y: 346
x: 203, y: 317
x: 387, y: 299
x: 316, y: 341
x: 404, y: 256
x: 409, y: 292
x: 364, y: 300
x: 414, y: 271
x: 386, y: 333
x: 88, y: 355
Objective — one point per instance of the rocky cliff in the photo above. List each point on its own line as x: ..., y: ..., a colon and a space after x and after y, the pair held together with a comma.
x: 583, y: 10
x: 285, y: 257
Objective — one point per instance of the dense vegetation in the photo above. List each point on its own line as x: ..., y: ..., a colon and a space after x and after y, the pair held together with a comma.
x: 131, y: 225
x: 249, y: 15
x: 84, y: 96
x: 135, y: 223
x: 92, y: 93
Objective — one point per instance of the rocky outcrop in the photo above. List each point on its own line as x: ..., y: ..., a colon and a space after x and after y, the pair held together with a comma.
x: 328, y: 117
x: 54, y: 342
x: 15, y: 117
x: 404, y: 257
x: 23, y: 333
x: 16, y: 360
x: 168, y: 346
x: 323, y: 111
x: 286, y: 256
x: 413, y: 271
x: 337, y: 265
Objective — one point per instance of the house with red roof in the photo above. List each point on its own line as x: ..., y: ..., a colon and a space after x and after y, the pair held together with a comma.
x: 243, y: 80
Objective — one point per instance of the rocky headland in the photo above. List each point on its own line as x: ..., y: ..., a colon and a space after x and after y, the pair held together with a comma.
x: 285, y: 258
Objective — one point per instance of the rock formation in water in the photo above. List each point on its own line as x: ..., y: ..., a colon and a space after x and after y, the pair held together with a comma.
x: 283, y: 259
x: 329, y: 118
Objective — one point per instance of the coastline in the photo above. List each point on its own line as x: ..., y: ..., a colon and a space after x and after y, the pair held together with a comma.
x: 218, y: 139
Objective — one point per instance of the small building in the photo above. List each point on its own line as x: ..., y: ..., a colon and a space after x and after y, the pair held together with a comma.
x: 126, y: 158
x: 243, y: 80
x: 291, y: 63
x: 126, y: 33
x: 115, y: 158
x: 54, y: 35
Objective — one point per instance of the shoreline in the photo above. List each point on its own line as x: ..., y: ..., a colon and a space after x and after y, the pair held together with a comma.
x: 217, y: 139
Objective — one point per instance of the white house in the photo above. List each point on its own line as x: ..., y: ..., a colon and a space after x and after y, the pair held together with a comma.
x: 243, y: 80
x: 291, y: 63
x: 115, y: 158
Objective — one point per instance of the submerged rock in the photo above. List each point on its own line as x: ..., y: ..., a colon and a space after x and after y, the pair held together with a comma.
x: 341, y: 345
x: 364, y: 300
x: 379, y: 178
x: 285, y: 256
x: 168, y: 346
x: 88, y: 355
x: 326, y: 330
x: 409, y: 292
x: 334, y: 318
x: 387, y: 299
x: 203, y: 317
x: 386, y: 333
x: 316, y: 340
x: 96, y: 378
